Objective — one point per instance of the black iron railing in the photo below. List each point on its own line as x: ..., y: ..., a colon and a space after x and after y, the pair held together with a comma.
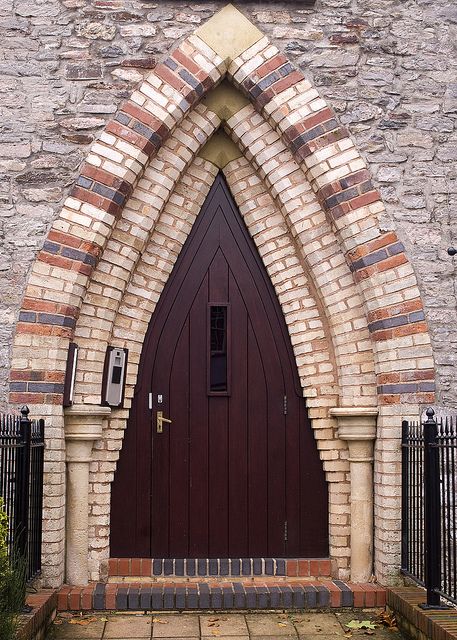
x: 21, y: 485
x: 429, y: 506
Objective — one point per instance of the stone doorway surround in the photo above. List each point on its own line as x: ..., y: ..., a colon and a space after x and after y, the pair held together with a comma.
x: 227, y: 99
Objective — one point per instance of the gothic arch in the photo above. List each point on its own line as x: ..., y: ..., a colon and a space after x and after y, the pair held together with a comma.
x: 130, y: 211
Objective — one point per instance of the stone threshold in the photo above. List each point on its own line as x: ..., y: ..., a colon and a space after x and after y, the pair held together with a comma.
x: 414, y: 622
x: 34, y: 625
x: 215, y: 567
x: 222, y: 595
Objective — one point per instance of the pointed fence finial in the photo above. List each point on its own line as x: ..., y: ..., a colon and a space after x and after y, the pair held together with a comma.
x: 25, y: 411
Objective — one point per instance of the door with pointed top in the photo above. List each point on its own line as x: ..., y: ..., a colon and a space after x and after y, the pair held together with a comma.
x: 239, y: 459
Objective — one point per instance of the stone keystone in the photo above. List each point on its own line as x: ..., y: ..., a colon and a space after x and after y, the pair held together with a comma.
x: 229, y: 33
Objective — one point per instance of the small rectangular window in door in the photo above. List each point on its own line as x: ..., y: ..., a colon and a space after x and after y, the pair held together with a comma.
x: 218, y: 349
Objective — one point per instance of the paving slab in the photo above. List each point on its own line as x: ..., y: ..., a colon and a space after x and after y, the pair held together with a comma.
x: 372, y: 615
x: 229, y: 625
x: 270, y: 625
x: 221, y: 637
x: 128, y: 627
x: 301, y: 625
x: 91, y: 628
x: 176, y: 626
x: 314, y: 636
x: 319, y: 624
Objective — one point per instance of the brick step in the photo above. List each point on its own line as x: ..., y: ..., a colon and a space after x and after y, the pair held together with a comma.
x: 218, y: 567
x: 252, y: 594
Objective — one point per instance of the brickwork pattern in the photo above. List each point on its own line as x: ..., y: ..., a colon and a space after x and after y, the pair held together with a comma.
x: 107, y: 257
x: 418, y: 623
x: 35, y: 624
x: 222, y: 567
x: 356, y: 85
x: 224, y: 595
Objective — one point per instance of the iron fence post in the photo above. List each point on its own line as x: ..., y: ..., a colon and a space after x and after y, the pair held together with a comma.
x: 404, y: 495
x: 23, y: 473
x: 432, y: 511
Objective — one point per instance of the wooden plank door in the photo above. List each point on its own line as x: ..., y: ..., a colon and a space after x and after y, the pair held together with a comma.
x: 236, y: 473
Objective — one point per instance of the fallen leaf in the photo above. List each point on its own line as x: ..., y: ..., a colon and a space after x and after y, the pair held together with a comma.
x: 282, y: 624
x: 215, y: 632
x: 58, y: 621
x: 160, y: 621
x: 388, y: 620
x: 213, y: 624
x: 367, y: 624
x: 213, y: 619
x: 361, y: 624
x: 82, y: 621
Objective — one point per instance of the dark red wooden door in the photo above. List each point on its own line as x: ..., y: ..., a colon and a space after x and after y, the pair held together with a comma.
x: 236, y: 473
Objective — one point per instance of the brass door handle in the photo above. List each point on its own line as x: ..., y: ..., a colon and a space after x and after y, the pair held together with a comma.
x: 160, y: 421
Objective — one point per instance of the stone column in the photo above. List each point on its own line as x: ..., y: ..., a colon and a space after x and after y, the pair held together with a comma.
x: 83, y: 425
x: 357, y: 425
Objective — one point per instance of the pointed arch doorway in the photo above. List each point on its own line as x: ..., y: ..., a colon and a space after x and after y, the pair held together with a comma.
x: 236, y: 471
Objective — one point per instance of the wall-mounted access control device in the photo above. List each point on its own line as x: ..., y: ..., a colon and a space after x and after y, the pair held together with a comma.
x: 114, y: 377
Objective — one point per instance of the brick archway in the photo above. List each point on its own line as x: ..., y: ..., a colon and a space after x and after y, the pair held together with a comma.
x: 130, y: 211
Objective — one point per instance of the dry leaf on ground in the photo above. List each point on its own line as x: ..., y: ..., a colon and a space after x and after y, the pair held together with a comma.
x: 361, y: 624
x: 388, y: 620
x: 82, y: 621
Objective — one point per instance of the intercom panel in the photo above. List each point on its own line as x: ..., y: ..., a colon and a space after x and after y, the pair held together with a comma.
x: 114, y: 377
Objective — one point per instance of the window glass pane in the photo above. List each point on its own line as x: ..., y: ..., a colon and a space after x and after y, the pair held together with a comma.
x: 218, y: 346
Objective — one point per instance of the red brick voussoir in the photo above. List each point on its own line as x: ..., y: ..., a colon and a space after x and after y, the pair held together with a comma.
x: 341, y: 197
x: 143, y: 130
x: 310, y: 134
x: 146, y: 132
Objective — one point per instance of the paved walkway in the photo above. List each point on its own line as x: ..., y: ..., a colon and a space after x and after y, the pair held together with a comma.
x: 231, y: 626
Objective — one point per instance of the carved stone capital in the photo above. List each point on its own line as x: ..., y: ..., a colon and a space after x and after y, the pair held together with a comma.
x: 356, y: 423
x: 83, y: 425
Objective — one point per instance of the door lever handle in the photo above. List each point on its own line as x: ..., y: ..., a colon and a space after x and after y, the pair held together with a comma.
x: 160, y: 421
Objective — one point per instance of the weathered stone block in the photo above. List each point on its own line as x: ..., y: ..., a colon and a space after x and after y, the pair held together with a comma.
x: 84, y: 71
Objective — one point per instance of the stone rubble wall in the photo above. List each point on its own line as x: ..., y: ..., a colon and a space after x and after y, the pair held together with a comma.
x: 388, y: 68
x: 86, y: 60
